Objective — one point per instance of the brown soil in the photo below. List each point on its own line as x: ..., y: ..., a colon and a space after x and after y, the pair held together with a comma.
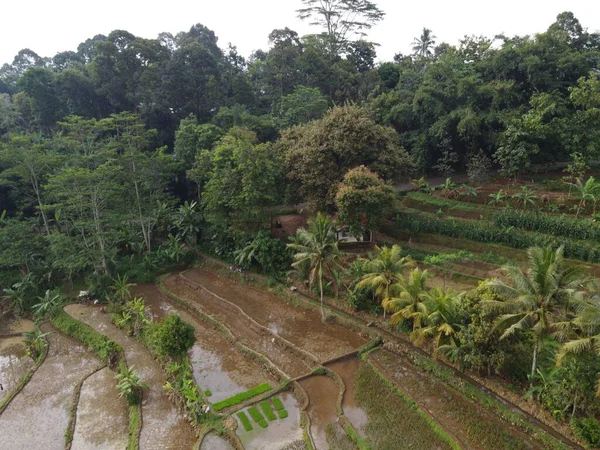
x: 323, y: 394
x: 289, y: 224
x: 291, y: 365
x: 14, y: 363
x: 216, y: 364
x: 452, y: 411
x: 102, y: 416
x: 11, y: 324
x: 164, y: 427
x: 38, y: 416
x: 278, y: 434
x: 300, y: 326
x: 347, y: 370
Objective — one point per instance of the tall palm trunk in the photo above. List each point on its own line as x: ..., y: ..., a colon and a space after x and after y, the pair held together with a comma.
x: 321, y: 291
x: 536, y: 349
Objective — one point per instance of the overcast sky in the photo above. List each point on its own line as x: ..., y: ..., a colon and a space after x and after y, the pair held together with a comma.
x: 50, y: 26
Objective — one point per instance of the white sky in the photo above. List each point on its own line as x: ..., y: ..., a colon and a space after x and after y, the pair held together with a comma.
x: 49, y: 26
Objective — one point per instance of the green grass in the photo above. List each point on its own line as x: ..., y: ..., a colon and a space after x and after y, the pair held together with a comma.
x: 267, y: 410
x: 282, y: 413
x: 100, y: 345
x: 257, y: 417
x: 208, y: 393
x: 135, y: 425
x: 245, y: 421
x: 277, y: 404
x: 242, y: 396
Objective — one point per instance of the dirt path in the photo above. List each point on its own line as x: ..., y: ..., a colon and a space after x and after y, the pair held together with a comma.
x: 216, y: 364
x: 163, y: 426
x: 300, y: 326
x: 263, y: 343
x: 102, y: 416
x: 323, y: 394
x: 38, y: 416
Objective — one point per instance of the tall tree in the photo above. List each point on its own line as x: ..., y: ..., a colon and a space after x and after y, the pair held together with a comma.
x: 535, y: 299
x: 317, y: 247
x: 342, y: 20
x: 423, y: 44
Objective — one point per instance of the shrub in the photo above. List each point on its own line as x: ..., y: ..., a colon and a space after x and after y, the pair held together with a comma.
x: 245, y: 421
x: 239, y: 398
x: 587, y: 429
x: 478, y: 167
x: 267, y: 410
x: 171, y: 337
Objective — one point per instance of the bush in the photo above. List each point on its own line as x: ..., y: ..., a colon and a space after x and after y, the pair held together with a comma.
x: 245, y: 421
x: 267, y: 410
x: 239, y: 398
x: 587, y: 429
x: 171, y: 337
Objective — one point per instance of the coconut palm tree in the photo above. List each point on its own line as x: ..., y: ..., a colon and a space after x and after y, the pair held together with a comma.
x: 442, y: 321
x: 526, y: 197
x: 407, y: 300
x: 384, y: 270
x: 537, y: 298
x: 317, y: 246
x: 423, y: 44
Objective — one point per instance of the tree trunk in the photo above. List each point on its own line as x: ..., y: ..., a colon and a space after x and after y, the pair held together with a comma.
x: 321, y: 289
x: 139, y: 207
x: 536, y: 349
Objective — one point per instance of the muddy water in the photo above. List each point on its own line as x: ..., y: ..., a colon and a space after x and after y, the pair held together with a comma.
x: 212, y: 442
x: 280, y: 432
x: 323, y: 394
x: 38, y: 416
x: 14, y: 363
x: 102, y: 416
x: 291, y: 365
x: 10, y: 324
x: 474, y: 427
x: 163, y: 426
x: 300, y: 326
x: 216, y: 364
x: 347, y: 370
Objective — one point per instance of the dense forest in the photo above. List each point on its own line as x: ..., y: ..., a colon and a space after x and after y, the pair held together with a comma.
x: 131, y: 156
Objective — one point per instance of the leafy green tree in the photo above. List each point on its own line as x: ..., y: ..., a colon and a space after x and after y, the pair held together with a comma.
x: 188, y: 222
x: 317, y: 247
x: 302, y: 106
x: 341, y: 19
x: 536, y: 298
x: 318, y: 154
x: 363, y: 200
x: 121, y: 288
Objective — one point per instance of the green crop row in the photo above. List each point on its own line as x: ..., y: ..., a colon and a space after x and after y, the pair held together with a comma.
x: 482, y: 231
x: 242, y: 396
x: 245, y: 421
x: 430, y: 200
x: 277, y: 404
x: 548, y: 224
x: 267, y: 410
x: 257, y: 417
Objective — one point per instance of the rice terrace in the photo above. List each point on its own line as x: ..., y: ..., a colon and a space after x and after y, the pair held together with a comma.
x: 308, y: 247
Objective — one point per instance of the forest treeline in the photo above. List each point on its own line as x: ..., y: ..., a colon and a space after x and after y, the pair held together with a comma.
x: 117, y: 154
